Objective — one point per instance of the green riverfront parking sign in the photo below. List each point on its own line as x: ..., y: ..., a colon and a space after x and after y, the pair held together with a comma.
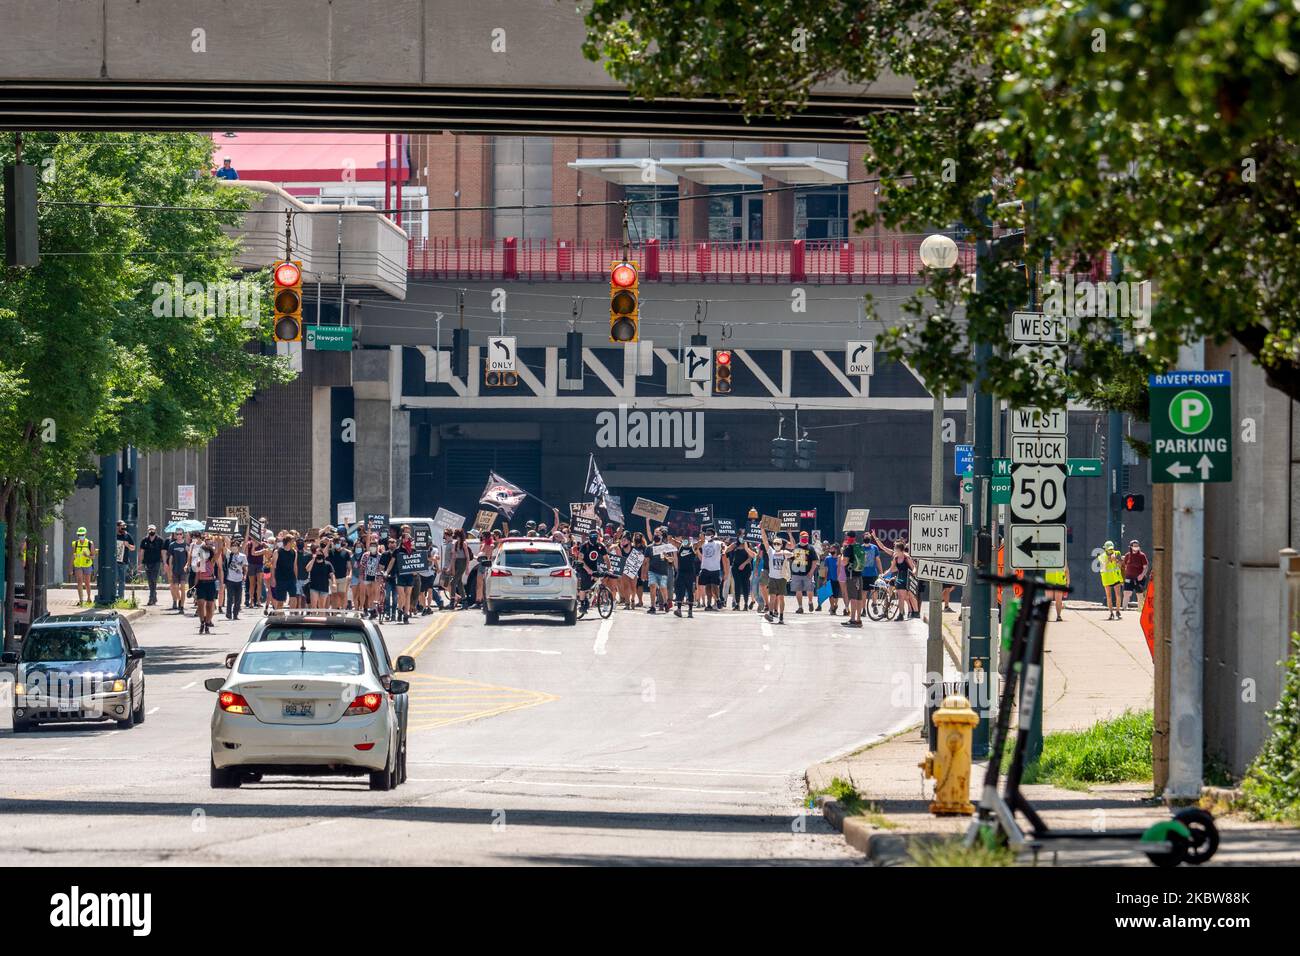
x: 1191, y: 427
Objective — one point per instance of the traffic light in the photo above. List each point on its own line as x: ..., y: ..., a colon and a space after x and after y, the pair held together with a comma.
x: 805, y: 454
x: 722, y: 372
x: 1011, y: 250
x: 782, y: 453
x: 624, y: 302
x: 21, y: 248
x: 497, y: 379
x: 287, y: 300
x: 1135, y: 503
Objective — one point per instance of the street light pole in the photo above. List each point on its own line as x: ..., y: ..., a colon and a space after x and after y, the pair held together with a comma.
x: 937, y: 252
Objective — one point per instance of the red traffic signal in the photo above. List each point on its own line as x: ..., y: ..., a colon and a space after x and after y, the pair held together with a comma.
x: 287, y: 300
x: 721, y: 372
x: 1135, y: 502
x: 624, y: 302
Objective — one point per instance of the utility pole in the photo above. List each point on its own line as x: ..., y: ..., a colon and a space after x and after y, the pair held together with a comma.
x: 1187, y: 635
x: 934, y: 641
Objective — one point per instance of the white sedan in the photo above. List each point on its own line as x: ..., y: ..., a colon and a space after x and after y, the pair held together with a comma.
x: 314, y: 709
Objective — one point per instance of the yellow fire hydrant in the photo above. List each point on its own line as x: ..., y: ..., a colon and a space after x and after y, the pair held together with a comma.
x: 949, y: 767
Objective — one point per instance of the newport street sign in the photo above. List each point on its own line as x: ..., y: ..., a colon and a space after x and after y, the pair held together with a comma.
x: 1191, y: 427
x: 329, y: 338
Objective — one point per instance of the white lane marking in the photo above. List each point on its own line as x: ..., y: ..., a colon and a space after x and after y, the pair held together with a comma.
x: 591, y: 768
x: 766, y: 648
x: 718, y: 713
x: 763, y: 688
x: 653, y: 733
x: 152, y: 711
x: 189, y: 685
x: 766, y: 628
x: 504, y: 650
x: 602, y: 636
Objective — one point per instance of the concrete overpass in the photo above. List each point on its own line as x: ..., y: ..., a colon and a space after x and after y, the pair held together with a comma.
x: 491, y: 66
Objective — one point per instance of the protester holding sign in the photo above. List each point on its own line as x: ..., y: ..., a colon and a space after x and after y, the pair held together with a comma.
x: 803, y: 562
x: 713, y: 569
x: 778, y: 576
x: 660, y: 596
x: 405, y: 579
x: 688, y: 569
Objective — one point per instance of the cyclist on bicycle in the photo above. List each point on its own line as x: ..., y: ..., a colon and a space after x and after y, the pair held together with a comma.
x: 594, y: 554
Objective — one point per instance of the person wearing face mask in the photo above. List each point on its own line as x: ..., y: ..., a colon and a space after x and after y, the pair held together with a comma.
x: 84, y: 554
x: 284, y: 572
x: 658, y: 573
x: 151, y: 555
x: 370, y: 579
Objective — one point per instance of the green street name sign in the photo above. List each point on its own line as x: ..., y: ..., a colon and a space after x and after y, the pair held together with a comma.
x: 1083, y: 467
x: 999, y: 486
x: 329, y: 338
x: 1191, y: 427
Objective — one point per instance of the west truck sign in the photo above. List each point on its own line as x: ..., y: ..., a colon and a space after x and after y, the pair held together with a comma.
x: 1191, y: 427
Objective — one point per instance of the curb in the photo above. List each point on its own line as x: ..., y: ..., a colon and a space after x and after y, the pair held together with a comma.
x: 880, y: 847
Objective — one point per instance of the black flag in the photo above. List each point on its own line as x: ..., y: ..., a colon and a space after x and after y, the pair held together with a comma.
x: 595, y: 484
x: 502, y: 495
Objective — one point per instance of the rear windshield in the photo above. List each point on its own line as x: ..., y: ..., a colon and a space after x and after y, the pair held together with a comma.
x: 50, y: 644
x: 539, y: 558
x: 348, y: 635
x: 302, y: 663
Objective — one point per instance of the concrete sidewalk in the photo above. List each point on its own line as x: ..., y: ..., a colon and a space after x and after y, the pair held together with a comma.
x: 1093, y: 669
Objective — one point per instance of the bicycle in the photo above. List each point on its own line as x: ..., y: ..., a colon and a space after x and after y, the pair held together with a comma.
x: 882, y: 600
x: 603, y: 599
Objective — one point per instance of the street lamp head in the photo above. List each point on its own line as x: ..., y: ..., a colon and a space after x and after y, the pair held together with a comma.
x: 938, y: 252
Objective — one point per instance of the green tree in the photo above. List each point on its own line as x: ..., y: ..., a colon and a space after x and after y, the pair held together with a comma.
x: 1165, y: 132
x: 87, y: 365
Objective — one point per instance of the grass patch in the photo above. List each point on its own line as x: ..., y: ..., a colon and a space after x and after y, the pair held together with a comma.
x: 954, y: 853
x: 846, y: 795
x: 1111, y: 751
x: 125, y: 604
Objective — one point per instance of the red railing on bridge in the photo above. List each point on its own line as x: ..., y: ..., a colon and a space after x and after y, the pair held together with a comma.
x: 848, y: 261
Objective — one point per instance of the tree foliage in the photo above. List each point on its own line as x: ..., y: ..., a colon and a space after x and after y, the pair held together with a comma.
x: 1162, y: 131
x: 86, y: 366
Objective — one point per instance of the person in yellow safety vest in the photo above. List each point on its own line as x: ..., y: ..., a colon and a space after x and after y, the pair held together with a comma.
x: 1112, y: 578
x: 83, y: 564
x: 1061, y: 578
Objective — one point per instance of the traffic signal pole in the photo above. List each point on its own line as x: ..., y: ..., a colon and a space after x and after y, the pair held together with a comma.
x: 107, y: 530
x: 1114, y: 437
x: 977, y: 663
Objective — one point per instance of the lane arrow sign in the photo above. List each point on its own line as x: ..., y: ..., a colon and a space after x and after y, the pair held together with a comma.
x: 1030, y: 547
x: 1178, y: 469
x: 1205, y: 465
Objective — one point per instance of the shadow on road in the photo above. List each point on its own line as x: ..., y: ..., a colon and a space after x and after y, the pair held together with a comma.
x: 586, y: 819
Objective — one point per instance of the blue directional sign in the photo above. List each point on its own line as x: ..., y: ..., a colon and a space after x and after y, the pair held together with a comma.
x: 963, y: 462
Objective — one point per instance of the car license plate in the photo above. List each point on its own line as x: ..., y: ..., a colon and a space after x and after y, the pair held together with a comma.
x: 530, y: 579
x: 69, y: 705
x: 300, y: 708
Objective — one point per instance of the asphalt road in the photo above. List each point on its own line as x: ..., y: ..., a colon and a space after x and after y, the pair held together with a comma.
x: 644, y: 739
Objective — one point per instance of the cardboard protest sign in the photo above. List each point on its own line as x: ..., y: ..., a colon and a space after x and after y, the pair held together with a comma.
x: 377, y: 522
x: 583, y: 525
x: 613, y: 508
x: 446, y: 519
x: 771, y: 525
x: 484, y: 520
x: 754, y: 533
x: 653, y: 510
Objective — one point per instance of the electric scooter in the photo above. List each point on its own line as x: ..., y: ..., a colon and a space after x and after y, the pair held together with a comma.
x: 1189, y: 837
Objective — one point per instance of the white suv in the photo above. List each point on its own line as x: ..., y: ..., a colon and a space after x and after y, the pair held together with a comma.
x: 531, y: 575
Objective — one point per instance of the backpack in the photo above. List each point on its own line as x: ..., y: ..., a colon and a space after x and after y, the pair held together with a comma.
x: 858, y: 558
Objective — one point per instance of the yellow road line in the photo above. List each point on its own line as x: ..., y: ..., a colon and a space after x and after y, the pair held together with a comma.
x: 427, y: 636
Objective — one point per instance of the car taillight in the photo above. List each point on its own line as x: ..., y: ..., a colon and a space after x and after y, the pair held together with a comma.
x: 501, y: 573
x: 364, y: 704
x: 562, y: 573
x: 233, y: 703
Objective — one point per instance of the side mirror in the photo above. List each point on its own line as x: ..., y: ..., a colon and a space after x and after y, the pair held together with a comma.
x: 9, y: 657
x: 214, y: 684
x: 405, y: 663
x: 398, y: 686
x: 230, y: 660
x: 138, y: 654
